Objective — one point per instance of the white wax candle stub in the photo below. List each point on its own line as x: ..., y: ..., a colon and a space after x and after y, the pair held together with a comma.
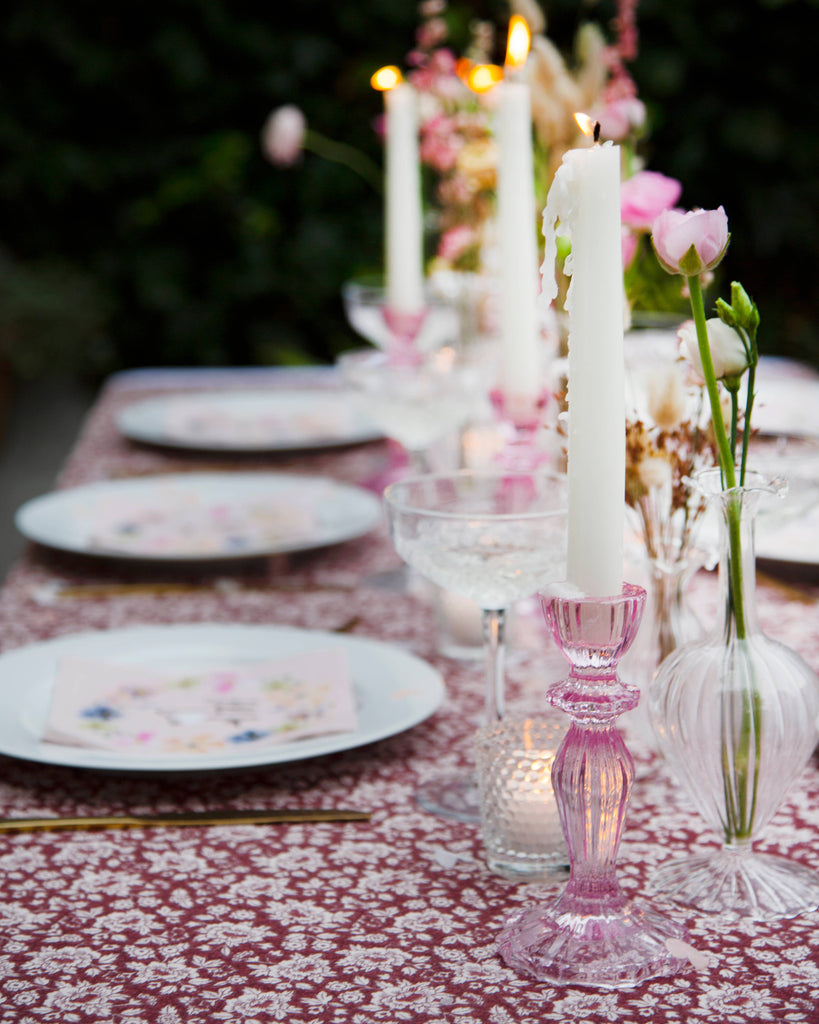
x: 520, y: 359
x: 564, y: 590
x: 446, y: 859
x: 697, y: 959
x: 404, y: 258
x: 585, y: 201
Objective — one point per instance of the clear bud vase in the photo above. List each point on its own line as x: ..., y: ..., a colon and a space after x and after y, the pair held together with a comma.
x: 592, y: 934
x: 671, y: 621
x: 735, y: 716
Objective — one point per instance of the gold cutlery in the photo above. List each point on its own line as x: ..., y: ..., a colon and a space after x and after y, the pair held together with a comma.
x: 222, y: 817
x: 92, y: 591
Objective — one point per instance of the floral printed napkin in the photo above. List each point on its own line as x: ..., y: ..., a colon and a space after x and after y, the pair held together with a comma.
x: 136, y: 709
x: 179, y: 521
x: 215, y: 420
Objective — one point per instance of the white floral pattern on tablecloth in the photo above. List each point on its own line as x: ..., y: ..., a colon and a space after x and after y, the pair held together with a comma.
x: 395, y: 919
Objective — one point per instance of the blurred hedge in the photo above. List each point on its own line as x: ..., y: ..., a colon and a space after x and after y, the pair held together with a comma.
x: 141, y: 225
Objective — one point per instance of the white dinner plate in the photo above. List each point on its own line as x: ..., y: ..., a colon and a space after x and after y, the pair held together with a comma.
x: 787, y: 406
x: 200, y: 516
x: 274, y: 420
x: 394, y: 690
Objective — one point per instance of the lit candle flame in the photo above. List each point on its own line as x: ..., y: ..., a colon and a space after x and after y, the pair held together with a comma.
x: 588, y: 126
x: 517, y: 45
x: 386, y: 78
x: 482, y: 77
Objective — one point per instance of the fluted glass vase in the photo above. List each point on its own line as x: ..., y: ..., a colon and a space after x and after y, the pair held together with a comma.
x: 670, y: 620
x: 736, y: 717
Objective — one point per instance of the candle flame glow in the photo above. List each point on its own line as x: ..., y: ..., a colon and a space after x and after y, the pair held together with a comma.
x: 588, y: 126
x: 517, y: 45
x: 386, y: 78
x: 482, y: 77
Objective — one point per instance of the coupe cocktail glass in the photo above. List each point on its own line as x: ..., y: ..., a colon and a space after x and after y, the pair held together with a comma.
x: 417, y: 403
x: 495, y: 538
x: 436, y: 323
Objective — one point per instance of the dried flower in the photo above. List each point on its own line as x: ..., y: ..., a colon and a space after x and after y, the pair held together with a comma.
x: 666, y: 396
x: 655, y: 472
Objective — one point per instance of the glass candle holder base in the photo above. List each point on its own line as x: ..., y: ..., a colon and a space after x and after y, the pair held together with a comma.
x: 760, y: 886
x: 583, y: 942
x: 591, y: 934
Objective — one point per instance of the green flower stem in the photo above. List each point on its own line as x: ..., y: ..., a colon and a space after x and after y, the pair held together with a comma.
x: 724, y: 453
x: 740, y: 772
x: 746, y: 433
x: 348, y: 156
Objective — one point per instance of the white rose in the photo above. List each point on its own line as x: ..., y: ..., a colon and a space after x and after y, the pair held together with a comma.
x: 283, y: 135
x: 727, y: 350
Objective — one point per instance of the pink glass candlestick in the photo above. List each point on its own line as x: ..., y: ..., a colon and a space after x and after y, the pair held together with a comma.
x: 404, y: 329
x: 521, y: 417
x: 591, y: 933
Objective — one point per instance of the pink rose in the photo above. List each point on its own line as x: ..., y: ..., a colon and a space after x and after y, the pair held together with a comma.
x: 628, y: 245
x: 431, y: 33
x: 455, y: 242
x: 621, y: 117
x: 644, y: 196
x: 690, y: 242
x: 283, y: 135
x: 440, y: 143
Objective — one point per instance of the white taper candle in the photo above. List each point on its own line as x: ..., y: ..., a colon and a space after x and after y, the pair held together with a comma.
x: 585, y: 199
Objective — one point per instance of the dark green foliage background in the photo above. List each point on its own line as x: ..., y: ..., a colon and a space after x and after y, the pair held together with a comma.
x: 141, y: 225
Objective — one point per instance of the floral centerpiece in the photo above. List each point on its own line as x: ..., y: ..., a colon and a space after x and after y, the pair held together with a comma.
x: 458, y: 144
x: 457, y: 141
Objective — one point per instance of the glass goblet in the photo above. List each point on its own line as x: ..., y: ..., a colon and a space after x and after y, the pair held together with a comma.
x: 416, y: 402
x: 435, y: 324
x: 495, y: 538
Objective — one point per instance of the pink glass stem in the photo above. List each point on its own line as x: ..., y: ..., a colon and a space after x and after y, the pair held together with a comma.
x: 592, y: 934
x: 522, y: 418
x: 404, y: 329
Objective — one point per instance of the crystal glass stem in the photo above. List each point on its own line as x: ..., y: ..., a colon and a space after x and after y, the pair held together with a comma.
x: 591, y: 933
x: 494, y: 638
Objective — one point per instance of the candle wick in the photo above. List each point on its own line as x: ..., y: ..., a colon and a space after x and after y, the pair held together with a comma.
x: 596, y: 131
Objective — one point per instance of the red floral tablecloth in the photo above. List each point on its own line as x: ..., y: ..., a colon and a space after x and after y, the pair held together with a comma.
x: 395, y: 919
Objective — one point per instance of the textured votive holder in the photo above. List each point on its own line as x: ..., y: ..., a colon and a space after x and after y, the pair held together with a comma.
x: 522, y: 834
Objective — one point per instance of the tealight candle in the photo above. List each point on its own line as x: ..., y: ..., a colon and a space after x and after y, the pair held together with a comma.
x: 585, y: 200
x: 522, y: 833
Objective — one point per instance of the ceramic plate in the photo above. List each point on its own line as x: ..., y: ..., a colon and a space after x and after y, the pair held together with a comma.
x: 393, y: 690
x: 200, y: 516
x: 275, y: 420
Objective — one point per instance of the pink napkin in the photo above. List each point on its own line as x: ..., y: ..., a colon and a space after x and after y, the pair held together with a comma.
x: 188, y: 709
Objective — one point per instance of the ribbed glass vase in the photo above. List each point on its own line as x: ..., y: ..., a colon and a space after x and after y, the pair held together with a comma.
x: 735, y: 716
